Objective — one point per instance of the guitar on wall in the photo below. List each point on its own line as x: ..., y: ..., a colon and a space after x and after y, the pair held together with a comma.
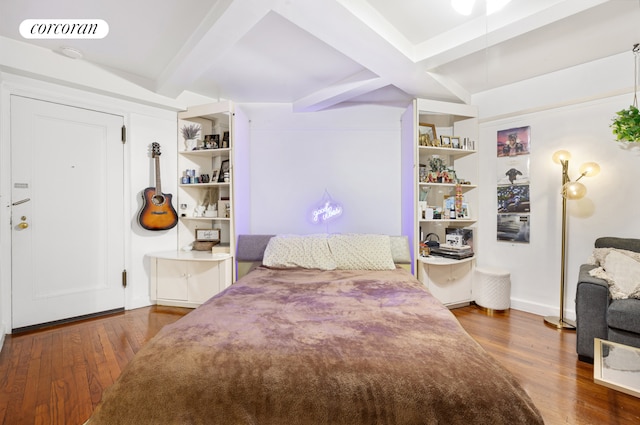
x: 157, y: 213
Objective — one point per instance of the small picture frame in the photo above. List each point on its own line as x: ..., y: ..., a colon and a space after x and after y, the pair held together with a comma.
x: 449, y: 202
x: 445, y: 141
x: 455, y: 142
x: 207, y: 235
x: 426, y: 134
x: 225, y: 140
x: 224, y: 168
x: 211, y: 141
x: 465, y: 213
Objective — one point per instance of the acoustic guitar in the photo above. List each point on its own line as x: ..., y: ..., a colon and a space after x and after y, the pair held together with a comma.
x: 157, y: 213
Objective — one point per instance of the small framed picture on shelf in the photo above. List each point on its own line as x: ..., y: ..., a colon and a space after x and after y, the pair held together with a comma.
x: 449, y: 203
x: 225, y: 140
x: 224, y: 169
x: 464, y: 211
x: 455, y: 142
x: 207, y: 235
x: 445, y: 141
x: 426, y: 134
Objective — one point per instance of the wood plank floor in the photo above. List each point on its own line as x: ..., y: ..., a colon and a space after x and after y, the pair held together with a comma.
x: 57, y: 375
x: 545, y: 362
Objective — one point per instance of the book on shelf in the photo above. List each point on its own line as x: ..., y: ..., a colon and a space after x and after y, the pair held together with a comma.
x: 451, y: 251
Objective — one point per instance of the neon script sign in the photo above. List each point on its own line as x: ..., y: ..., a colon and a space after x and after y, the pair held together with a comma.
x: 326, y: 210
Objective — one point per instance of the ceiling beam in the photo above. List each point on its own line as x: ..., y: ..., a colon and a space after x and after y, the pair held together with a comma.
x: 488, y: 31
x: 356, y: 40
x: 338, y: 93
x: 225, y: 24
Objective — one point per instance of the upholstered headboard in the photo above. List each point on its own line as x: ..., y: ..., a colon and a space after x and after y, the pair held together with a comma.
x: 250, y: 252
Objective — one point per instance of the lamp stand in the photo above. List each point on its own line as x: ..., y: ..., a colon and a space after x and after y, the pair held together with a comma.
x: 559, y: 321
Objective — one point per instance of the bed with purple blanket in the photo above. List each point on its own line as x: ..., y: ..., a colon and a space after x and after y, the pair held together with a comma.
x: 329, y: 345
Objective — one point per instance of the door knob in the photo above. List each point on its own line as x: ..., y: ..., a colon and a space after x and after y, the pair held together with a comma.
x: 23, y: 225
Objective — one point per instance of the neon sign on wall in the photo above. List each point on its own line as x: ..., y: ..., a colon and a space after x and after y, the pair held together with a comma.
x: 326, y: 210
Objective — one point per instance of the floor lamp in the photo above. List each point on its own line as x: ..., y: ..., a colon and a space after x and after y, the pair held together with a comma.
x: 570, y: 190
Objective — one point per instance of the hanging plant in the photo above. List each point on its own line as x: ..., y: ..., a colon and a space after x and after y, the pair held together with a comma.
x: 626, y: 124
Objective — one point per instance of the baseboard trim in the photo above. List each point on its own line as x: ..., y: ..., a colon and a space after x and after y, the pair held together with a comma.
x: 65, y: 321
x: 2, y: 334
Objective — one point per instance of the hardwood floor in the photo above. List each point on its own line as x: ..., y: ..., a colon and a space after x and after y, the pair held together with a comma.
x: 57, y: 375
x: 545, y: 362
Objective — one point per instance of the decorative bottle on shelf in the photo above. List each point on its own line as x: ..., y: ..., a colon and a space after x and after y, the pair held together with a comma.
x: 452, y: 212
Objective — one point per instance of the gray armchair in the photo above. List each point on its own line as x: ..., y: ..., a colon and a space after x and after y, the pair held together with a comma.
x: 599, y: 316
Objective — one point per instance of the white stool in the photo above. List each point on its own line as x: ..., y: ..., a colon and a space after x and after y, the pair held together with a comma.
x: 492, y: 288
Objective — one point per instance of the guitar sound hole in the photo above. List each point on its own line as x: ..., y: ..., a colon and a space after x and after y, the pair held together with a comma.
x: 157, y: 199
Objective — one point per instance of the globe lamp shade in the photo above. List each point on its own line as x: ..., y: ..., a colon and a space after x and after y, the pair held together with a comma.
x: 560, y: 156
x: 590, y: 169
x: 574, y: 190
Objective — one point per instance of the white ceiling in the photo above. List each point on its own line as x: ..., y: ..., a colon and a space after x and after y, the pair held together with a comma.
x: 319, y: 53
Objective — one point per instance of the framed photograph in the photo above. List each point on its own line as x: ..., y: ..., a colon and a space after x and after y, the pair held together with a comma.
x: 207, y: 235
x: 465, y: 213
x: 426, y: 134
x: 448, y: 204
x: 225, y: 140
x: 224, y: 168
x: 224, y: 208
x: 455, y: 142
x: 445, y: 141
x: 211, y: 141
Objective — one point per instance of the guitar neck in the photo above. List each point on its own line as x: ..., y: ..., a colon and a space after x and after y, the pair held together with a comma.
x: 158, y: 187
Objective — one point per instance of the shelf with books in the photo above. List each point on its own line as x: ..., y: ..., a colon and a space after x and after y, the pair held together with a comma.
x: 440, y: 164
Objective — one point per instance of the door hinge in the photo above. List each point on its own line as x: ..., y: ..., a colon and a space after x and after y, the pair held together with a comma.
x: 124, y: 278
x: 124, y: 134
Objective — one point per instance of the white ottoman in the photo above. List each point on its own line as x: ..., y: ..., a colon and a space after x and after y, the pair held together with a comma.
x: 492, y: 288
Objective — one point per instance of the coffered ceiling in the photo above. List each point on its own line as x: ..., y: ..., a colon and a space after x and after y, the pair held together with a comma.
x: 317, y: 54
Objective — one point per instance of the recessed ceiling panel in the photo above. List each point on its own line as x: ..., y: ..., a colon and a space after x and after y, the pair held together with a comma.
x: 420, y: 20
x: 578, y: 39
x: 278, y: 62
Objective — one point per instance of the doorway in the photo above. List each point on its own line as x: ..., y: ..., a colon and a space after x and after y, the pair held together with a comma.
x: 67, y: 222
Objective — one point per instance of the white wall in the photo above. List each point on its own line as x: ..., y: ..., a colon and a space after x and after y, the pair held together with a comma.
x: 561, y: 117
x: 352, y: 152
x: 145, y: 127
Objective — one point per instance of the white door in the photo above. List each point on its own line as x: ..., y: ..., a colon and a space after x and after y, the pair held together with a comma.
x: 67, y: 212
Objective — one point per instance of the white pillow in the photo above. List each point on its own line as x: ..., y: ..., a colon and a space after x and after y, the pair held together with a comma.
x: 599, y: 254
x: 622, y: 273
x: 307, y: 251
x: 361, y: 252
x: 400, y: 249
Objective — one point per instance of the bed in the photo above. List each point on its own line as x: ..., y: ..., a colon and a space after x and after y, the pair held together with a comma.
x: 298, y: 345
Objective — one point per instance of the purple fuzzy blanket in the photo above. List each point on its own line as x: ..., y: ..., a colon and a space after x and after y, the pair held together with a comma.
x: 316, y: 347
